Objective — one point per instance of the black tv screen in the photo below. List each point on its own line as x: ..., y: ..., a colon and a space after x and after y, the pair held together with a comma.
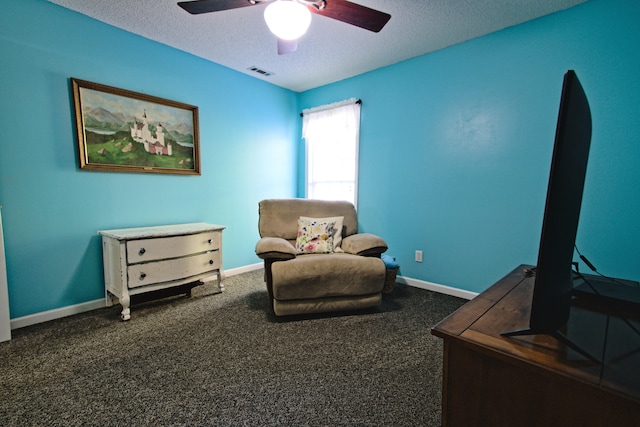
x: 552, y: 294
x: 554, y: 287
x: 551, y: 302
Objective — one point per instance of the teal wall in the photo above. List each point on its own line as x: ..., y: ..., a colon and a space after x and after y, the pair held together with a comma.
x: 52, y: 210
x: 454, y: 156
x: 456, y: 146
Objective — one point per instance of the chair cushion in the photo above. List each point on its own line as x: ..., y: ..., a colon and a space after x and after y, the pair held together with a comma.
x: 327, y: 275
x: 279, y: 217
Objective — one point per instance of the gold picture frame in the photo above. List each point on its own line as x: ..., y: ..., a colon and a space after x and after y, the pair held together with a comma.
x: 123, y: 131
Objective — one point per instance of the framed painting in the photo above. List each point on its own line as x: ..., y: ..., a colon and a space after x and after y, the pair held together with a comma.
x: 123, y: 131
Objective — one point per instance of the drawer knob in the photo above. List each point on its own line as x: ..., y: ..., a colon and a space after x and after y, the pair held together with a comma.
x: 210, y: 241
x: 210, y: 261
x: 142, y: 251
x: 143, y: 275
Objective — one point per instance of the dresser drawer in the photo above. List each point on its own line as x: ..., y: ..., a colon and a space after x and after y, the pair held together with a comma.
x: 172, y: 269
x: 171, y: 247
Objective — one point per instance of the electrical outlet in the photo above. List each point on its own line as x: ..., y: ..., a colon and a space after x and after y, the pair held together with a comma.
x: 418, y: 256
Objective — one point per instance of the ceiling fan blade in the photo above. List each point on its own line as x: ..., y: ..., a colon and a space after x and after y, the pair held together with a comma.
x: 354, y: 14
x: 204, y: 6
x: 287, y: 46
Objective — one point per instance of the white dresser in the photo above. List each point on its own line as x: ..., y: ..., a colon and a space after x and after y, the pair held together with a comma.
x: 139, y: 260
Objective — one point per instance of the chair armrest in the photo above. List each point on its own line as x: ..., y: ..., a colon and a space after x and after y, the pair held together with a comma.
x: 364, y: 244
x: 275, y: 248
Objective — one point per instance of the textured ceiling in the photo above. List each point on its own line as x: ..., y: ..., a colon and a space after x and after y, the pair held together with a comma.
x: 331, y: 50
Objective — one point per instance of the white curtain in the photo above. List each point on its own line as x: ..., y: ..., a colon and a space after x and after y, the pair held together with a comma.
x: 331, y: 133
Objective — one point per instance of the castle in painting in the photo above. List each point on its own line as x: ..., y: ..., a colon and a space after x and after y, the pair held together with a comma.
x: 153, y: 143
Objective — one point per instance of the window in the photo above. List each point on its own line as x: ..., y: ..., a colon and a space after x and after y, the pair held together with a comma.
x: 331, y: 133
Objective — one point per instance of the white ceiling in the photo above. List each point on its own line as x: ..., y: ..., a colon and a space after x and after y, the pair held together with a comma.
x: 331, y: 50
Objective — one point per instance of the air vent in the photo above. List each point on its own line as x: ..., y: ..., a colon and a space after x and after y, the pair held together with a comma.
x: 260, y: 71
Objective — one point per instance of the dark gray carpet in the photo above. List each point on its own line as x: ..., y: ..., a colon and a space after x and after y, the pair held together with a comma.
x: 226, y: 360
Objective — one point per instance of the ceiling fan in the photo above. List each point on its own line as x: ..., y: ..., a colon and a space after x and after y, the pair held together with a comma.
x: 296, y: 24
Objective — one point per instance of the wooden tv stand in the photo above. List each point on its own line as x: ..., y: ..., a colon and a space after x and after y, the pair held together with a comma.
x: 491, y: 380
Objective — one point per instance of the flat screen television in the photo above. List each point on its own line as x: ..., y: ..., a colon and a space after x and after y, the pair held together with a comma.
x: 554, y: 280
x: 554, y: 273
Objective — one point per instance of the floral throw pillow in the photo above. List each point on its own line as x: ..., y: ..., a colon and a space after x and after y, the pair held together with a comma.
x: 337, y: 229
x: 315, y: 237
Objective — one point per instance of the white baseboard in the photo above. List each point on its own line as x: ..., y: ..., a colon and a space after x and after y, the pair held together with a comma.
x: 442, y: 289
x: 45, y: 316
x: 58, y: 313
x: 245, y: 269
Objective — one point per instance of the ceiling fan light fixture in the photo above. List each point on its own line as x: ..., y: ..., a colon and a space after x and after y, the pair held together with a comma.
x: 287, y: 19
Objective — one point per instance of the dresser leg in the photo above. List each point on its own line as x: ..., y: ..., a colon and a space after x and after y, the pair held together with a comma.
x: 220, y: 279
x: 125, y: 301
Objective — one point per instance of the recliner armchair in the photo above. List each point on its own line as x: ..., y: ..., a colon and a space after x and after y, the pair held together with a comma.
x: 315, y: 261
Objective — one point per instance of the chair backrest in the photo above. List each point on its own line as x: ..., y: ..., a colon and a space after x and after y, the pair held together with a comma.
x: 279, y: 217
